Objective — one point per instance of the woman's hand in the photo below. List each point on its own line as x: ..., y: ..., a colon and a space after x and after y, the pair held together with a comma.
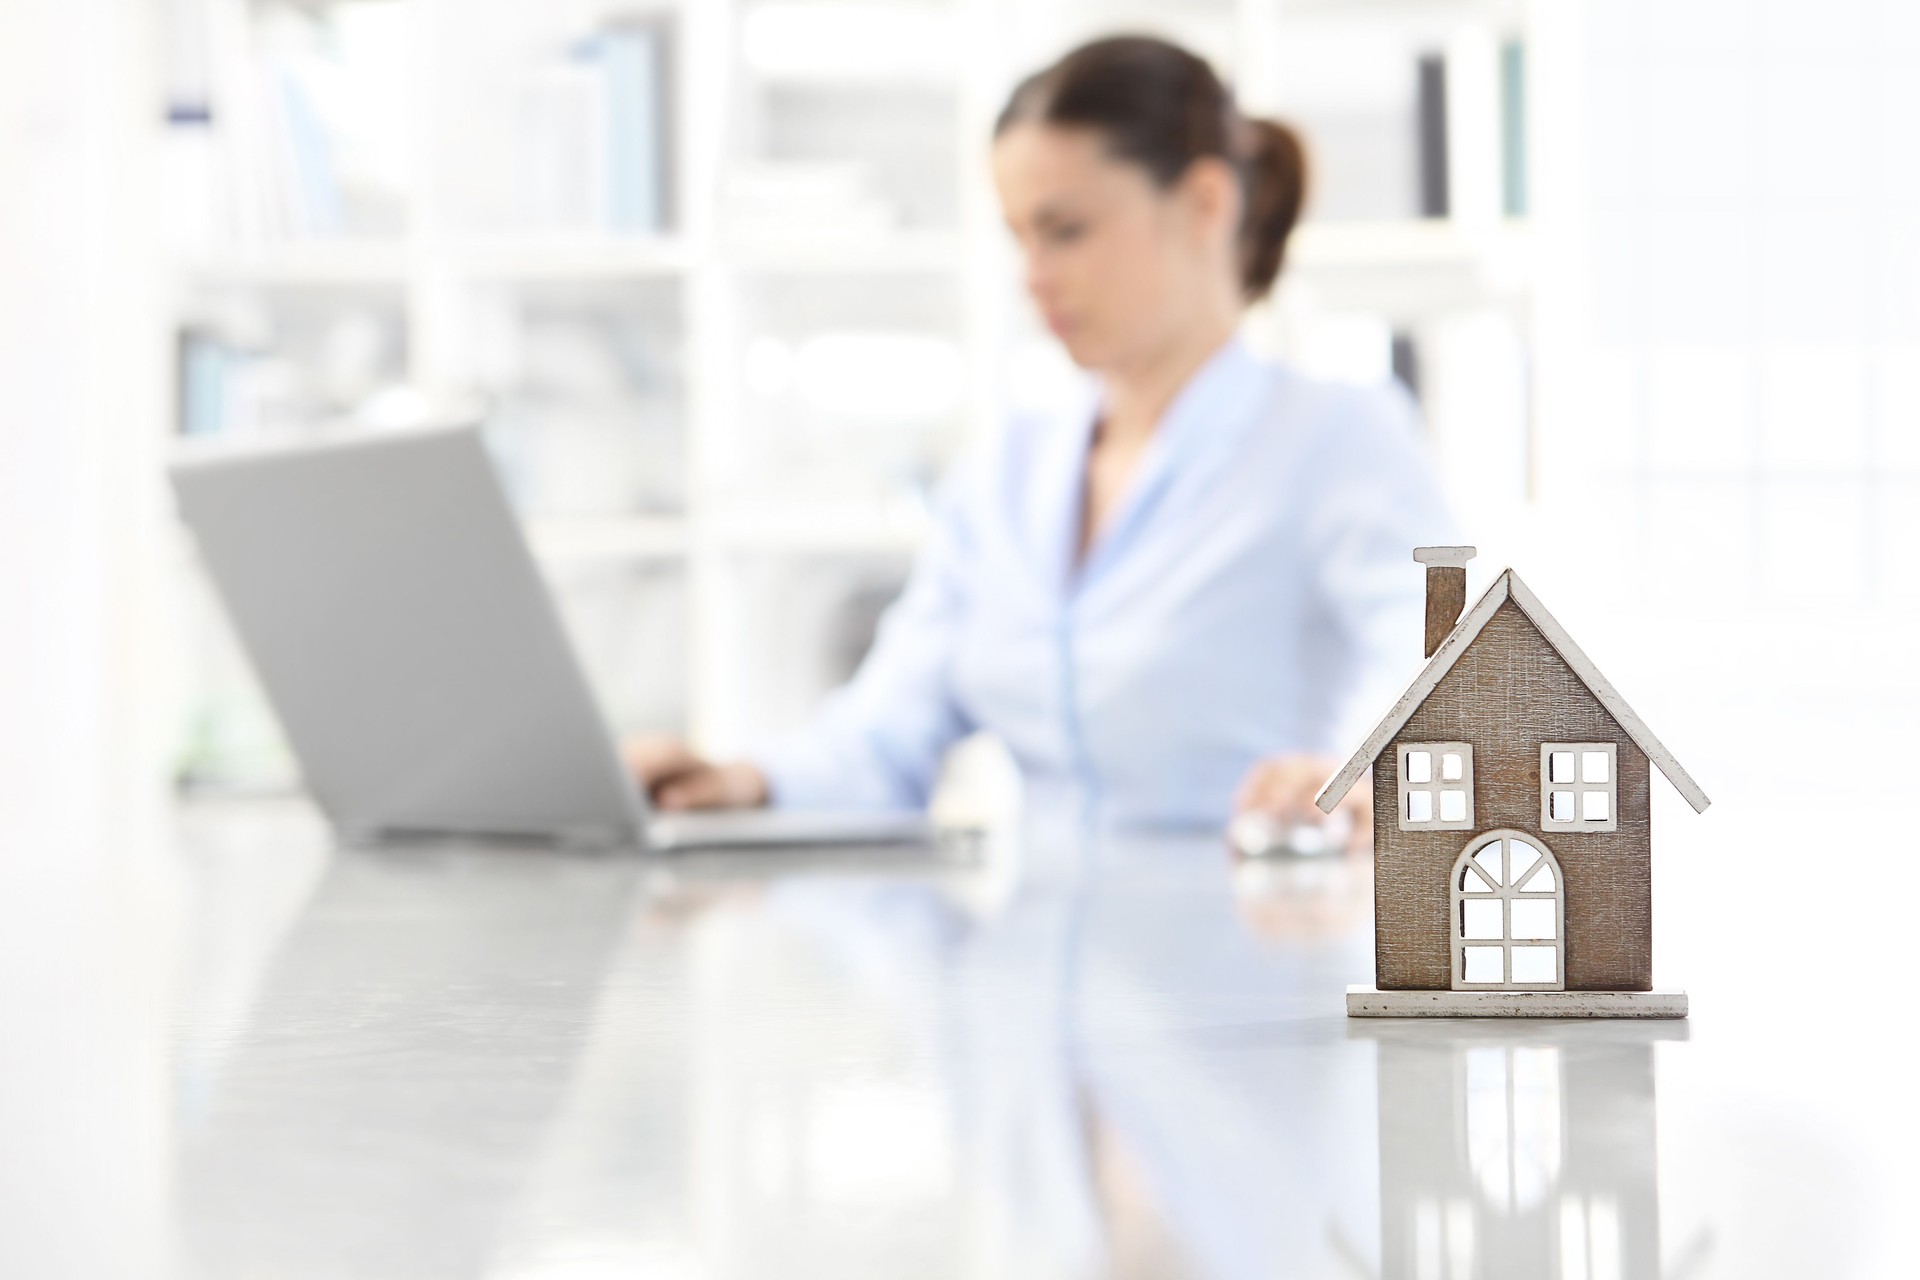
x: 675, y: 778
x: 1283, y: 788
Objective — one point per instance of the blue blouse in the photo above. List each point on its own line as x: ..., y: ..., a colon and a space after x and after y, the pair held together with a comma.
x: 1252, y: 594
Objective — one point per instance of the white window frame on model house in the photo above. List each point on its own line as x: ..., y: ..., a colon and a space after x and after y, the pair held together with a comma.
x: 1446, y: 803
x: 1506, y: 918
x: 1579, y: 779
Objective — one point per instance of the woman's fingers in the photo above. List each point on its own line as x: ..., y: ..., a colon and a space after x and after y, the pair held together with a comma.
x: 697, y: 788
x: 1284, y: 786
x: 676, y: 778
x: 655, y: 758
x: 731, y: 786
x: 1284, y: 789
x: 1265, y: 787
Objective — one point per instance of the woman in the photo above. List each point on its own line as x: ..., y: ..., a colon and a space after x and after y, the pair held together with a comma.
x: 1179, y: 602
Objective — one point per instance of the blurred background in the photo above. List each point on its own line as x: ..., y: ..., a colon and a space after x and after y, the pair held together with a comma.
x: 728, y: 286
x: 726, y: 283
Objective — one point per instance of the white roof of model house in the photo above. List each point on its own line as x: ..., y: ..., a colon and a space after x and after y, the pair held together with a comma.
x: 1508, y: 587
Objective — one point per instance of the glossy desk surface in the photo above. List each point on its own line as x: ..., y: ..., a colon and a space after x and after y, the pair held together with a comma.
x: 1079, y: 1056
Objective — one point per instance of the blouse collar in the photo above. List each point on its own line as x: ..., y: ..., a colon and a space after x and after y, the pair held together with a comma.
x: 1200, y: 417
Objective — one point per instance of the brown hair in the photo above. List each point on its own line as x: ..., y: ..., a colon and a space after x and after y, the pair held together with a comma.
x: 1162, y: 108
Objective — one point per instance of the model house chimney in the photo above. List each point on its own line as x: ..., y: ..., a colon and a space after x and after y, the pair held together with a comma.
x: 1446, y: 589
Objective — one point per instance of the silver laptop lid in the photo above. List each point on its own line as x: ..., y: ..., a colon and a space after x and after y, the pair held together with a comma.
x: 387, y: 599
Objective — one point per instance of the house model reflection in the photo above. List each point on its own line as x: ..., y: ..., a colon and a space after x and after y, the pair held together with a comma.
x: 1511, y: 830
x: 1518, y: 1150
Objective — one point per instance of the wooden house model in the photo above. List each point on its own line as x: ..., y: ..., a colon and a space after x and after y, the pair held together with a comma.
x: 1511, y: 837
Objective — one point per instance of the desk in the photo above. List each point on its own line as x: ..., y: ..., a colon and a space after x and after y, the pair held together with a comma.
x: 1082, y: 1057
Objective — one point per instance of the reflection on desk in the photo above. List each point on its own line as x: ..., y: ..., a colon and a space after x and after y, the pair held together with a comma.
x: 1091, y: 1055
x: 1518, y: 1151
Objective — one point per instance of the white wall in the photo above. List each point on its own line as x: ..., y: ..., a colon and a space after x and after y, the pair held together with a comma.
x: 1729, y: 362
x: 80, y: 1085
x: 1729, y: 400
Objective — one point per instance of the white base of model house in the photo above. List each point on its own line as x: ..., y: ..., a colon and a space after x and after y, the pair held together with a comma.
x: 1371, y: 1002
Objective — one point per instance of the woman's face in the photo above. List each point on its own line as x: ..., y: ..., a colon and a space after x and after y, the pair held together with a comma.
x: 1116, y: 265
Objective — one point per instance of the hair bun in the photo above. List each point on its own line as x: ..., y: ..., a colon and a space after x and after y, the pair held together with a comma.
x: 1162, y: 107
x: 1274, y: 162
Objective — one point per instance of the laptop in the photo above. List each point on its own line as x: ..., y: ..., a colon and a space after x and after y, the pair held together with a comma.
x: 385, y: 594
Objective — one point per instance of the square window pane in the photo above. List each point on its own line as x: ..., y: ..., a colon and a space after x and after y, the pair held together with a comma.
x: 1482, y: 964
x: 1593, y: 766
x: 1560, y: 766
x: 1419, y: 766
x: 1532, y: 918
x: 1535, y: 964
x: 1563, y: 806
x: 1419, y: 806
x: 1453, y: 806
x: 1451, y: 767
x: 1594, y: 807
x: 1480, y: 918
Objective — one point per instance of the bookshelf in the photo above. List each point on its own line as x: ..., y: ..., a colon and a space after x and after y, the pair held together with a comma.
x: 722, y: 403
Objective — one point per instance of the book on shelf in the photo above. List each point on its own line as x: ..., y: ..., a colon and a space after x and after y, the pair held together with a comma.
x: 633, y: 59
x: 1430, y: 126
x: 1427, y: 130
x: 203, y: 373
x: 227, y: 385
x: 1404, y: 362
x: 252, y: 369
x: 559, y: 117
x: 307, y: 114
x: 284, y: 119
x: 595, y: 133
x: 275, y: 160
x: 1513, y: 129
